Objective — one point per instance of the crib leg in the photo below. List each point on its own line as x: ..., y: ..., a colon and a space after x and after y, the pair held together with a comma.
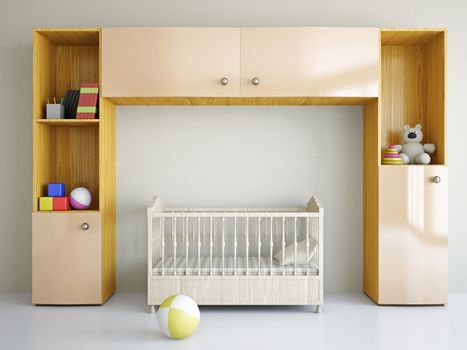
x: 318, y: 309
x: 152, y: 309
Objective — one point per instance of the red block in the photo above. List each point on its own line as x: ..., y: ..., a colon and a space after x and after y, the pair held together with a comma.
x: 61, y: 203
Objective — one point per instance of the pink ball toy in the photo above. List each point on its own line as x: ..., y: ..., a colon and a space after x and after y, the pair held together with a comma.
x: 80, y: 198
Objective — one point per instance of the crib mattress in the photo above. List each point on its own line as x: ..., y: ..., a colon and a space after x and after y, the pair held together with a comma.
x: 255, y: 265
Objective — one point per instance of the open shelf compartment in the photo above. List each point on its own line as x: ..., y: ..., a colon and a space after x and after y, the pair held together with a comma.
x: 413, y: 87
x: 63, y: 59
x: 69, y: 155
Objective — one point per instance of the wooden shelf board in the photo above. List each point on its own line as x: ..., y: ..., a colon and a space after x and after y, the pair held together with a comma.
x: 412, y: 165
x: 69, y: 122
x: 67, y: 211
x: 417, y: 37
x: 71, y: 36
x: 240, y: 101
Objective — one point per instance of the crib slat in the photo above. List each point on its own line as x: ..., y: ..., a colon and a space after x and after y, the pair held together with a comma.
x: 193, y: 236
x: 271, y: 247
x: 163, y: 245
x: 259, y: 246
x: 283, y: 245
x: 246, y: 246
x: 187, y: 245
x: 295, y: 245
x: 211, y: 244
x: 223, y: 246
x: 235, y: 246
x: 307, y: 270
x: 199, y: 246
x: 174, y: 243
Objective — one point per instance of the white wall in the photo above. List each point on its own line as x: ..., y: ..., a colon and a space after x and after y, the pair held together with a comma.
x: 241, y: 157
x: 17, y: 18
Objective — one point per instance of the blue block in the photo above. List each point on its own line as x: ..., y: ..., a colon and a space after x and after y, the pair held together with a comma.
x: 56, y: 190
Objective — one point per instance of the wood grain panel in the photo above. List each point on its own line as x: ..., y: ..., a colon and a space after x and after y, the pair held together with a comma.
x: 71, y: 36
x: 371, y: 154
x: 408, y: 36
x: 69, y: 122
x: 435, y: 120
x: 402, y: 91
x: 77, y: 159
x: 107, y: 190
x: 43, y: 73
x: 75, y: 65
x: 43, y: 86
x: 240, y: 101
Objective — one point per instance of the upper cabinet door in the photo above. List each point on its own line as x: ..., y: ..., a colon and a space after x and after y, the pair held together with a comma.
x: 299, y: 61
x: 153, y: 62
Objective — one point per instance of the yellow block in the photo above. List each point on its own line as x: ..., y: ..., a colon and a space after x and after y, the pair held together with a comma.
x: 46, y: 203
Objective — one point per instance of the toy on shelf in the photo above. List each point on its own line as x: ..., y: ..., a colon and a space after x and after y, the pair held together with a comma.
x: 80, y: 198
x: 178, y: 316
x: 392, y: 157
x: 56, y: 189
x: 413, y: 151
x: 46, y: 204
x: 61, y: 203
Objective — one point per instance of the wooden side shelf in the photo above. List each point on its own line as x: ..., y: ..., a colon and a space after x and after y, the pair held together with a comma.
x: 77, y: 152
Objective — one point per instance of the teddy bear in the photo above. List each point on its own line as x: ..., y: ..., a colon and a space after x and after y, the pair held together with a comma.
x: 413, y: 151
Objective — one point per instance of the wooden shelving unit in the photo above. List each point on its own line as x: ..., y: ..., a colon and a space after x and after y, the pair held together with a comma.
x: 412, y: 91
x: 407, y: 88
x: 77, y: 152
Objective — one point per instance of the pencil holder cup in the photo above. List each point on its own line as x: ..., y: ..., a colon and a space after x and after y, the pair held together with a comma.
x: 55, y: 111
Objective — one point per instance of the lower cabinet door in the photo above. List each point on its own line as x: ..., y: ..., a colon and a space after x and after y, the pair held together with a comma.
x: 66, y: 258
x: 413, y: 235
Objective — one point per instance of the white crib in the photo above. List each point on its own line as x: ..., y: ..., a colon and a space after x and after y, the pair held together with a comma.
x: 236, y: 256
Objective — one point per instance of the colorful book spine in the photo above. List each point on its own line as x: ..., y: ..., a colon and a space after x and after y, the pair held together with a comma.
x: 88, y: 98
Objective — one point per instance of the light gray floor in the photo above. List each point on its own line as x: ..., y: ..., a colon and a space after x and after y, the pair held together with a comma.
x: 348, y: 321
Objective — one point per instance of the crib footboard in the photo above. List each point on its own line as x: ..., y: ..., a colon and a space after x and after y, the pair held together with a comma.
x: 239, y: 290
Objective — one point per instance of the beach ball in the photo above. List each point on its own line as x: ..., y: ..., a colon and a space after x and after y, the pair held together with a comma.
x: 178, y: 316
x: 80, y: 198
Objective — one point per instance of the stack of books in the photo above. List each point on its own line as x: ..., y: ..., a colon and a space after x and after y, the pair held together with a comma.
x: 88, y: 100
x: 70, y: 101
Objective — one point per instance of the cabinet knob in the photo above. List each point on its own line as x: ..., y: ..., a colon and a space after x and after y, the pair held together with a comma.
x: 224, y: 81
x: 436, y: 179
x: 255, y: 81
x: 85, y: 226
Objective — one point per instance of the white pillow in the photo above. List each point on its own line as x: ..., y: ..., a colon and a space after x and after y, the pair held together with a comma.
x: 289, y: 256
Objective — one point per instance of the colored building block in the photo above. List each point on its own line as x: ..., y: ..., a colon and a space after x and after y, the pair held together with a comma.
x: 56, y: 190
x: 61, y: 203
x: 45, y: 203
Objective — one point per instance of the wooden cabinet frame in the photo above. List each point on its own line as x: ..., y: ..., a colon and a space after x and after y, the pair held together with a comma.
x: 411, y: 90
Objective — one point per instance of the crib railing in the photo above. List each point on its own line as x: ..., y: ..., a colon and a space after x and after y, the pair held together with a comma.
x: 194, y: 241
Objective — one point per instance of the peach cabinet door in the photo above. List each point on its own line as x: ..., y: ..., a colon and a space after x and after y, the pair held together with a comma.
x: 154, y: 62
x: 413, y: 238
x: 66, y: 260
x: 301, y: 61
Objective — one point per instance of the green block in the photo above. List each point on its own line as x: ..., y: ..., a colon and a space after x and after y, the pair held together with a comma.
x: 46, y: 203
